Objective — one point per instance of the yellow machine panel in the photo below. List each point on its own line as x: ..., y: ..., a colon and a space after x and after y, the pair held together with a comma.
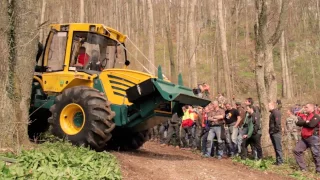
x: 58, y: 81
x: 116, y: 81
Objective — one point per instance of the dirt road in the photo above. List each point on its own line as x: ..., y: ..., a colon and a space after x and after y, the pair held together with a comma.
x: 153, y: 162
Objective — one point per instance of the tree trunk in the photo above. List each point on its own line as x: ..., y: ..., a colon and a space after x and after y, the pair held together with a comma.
x: 283, y: 67
x: 43, y: 10
x: 213, y: 79
x: 180, y: 36
x: 144, y: 16
x: 192, y: 43
x: 81, y: 11
x: 265, y: 75
x: 18, y: 50
x: 223, y: 39
x: 247, y: 26
x: 151, y: 37
x: 270, y: 75
x: 289, y: 75
x: 286, y: 85
x: 313, y: 74
x: 173, y: 76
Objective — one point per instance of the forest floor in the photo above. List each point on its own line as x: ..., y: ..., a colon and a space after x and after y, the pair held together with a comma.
x: 157, y: 163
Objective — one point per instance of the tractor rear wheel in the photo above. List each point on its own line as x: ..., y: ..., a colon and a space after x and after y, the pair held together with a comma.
x: 83, y: 116
x: 125, y: 140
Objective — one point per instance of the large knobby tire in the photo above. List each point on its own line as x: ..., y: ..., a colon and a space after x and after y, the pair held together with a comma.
x: 125, y: 140
x: 83, y: 116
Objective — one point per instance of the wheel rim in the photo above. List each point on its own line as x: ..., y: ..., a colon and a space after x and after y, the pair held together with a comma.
x: 72, y: 119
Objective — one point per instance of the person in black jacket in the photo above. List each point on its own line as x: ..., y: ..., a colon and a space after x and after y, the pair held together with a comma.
x: 275, y: 132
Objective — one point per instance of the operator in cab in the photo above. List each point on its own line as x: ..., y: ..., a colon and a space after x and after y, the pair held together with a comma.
x: 83, y: 57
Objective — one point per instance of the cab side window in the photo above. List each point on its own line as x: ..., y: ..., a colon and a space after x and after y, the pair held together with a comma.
x: 57, y: 51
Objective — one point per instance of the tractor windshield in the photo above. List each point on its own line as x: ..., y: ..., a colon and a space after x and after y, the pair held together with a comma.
x: 92, y: 51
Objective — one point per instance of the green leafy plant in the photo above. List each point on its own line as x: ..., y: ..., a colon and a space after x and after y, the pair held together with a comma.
x: 289, y: 168
x: 61, y: 161
x: 260, y: 164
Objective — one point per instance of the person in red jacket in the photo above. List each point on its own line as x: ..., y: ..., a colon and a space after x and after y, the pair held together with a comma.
x: 83, y: 57
x: 310, y: 137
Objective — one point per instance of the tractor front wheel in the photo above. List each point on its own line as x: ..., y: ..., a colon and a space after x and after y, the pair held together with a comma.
x: 83, y: 116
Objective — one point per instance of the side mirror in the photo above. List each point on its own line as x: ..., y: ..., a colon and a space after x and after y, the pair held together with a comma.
x: 39, y: 53
x: 127, y: 62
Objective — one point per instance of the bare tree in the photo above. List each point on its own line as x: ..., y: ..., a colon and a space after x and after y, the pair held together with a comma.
x: 172, y: 66
x: 286, y: 83
x: 180, y: 36
x: 151, y: 36
x: 18, y: 27
x: 81, y: 11
x: 43, y: 10
x: 224, y: 50
x: 192, y: 43
x: 265, y: 75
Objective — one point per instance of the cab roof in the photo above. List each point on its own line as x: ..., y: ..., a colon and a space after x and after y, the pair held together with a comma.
x: 91, y: 27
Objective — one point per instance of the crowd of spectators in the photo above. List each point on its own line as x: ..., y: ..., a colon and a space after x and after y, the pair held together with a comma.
x: 225, y: 129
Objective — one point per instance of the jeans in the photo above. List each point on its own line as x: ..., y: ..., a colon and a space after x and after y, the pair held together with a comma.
x: 276, y: 142
x: 204, y: 140
x: 231, y: 138
x: 312, y: 143
x: 215, y: 131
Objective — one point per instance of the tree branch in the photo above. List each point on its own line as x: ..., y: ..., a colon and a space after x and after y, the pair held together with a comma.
x: 281, y: 24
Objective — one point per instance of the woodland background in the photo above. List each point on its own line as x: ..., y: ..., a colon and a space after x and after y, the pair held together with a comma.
x: 186, y: 39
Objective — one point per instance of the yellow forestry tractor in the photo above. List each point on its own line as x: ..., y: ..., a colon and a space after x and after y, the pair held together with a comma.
x: 84, y: 92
